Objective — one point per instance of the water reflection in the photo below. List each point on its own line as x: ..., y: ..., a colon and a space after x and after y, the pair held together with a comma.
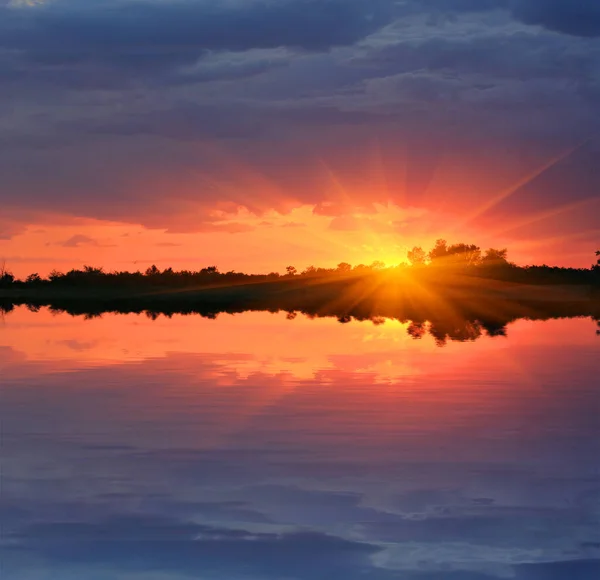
x: 460, y: 321
x: 258, y: 447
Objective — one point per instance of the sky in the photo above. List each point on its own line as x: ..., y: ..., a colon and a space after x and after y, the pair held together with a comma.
x: 257, y: 134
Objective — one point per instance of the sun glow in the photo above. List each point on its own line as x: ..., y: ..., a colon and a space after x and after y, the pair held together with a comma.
x: 257, y: 225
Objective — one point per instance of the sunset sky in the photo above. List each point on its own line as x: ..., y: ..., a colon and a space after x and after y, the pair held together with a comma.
x: 257, y: 134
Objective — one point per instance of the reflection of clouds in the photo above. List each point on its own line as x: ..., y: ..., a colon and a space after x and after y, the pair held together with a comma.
x: 463, y: 562
x: 142, y: 543
x: 145, y: 543
x: 465, y: 471
x: 239, y: 346
x: 25, y: 3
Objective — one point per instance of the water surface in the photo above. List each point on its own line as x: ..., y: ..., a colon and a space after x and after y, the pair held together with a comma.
x: 272, y: 447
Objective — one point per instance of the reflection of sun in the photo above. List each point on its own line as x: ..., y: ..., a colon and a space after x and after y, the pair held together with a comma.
x: 239, y: 347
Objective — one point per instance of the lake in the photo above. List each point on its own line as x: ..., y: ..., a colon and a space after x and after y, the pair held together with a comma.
x: 270, y: 446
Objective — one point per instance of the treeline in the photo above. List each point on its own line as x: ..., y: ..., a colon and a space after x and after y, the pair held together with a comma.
x: 470, y: 260
x: 441, y: 261
x: 154, y: 278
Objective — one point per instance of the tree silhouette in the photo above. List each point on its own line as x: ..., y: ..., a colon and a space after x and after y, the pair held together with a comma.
x: 417, y: 256
x: 495, y: 257
x: 456, y: 255
x: 457, y: 260
x: 6, y: 277
x: 464, y: 254
x: 439, y: 251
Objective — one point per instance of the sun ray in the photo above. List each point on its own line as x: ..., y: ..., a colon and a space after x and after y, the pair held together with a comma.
x: 560, y: 238
x: 525, y: 180
x: 337, y: 184
x: 248, y: 182
x: 548, y: 213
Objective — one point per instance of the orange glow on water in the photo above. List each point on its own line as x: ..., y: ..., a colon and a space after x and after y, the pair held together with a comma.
x: 251, y: 343
x: 258, y: 371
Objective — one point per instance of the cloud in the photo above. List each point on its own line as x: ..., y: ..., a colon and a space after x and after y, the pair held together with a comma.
x: 488, y: 50
x: 81, y: 240
x: 293, y: 225
x: 227, y: 227
x: 9, y: 228
x: 109, y: 107
x: 227, y: 66
x: 168, y: 245
x: 573, y: 570
x: 463, y: 5
x: 352, y: 223
x: 574, y: 17
x: 138, y: 39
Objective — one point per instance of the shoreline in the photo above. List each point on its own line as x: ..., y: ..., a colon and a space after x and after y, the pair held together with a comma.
x: 491, y: 303
x: 483, y: 286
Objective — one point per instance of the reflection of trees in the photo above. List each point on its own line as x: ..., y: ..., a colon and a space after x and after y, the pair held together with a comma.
x: 6, y: 307
x: 448, y: 313
x: 452, y: 293
x: 455, y: 330
x: 452, y: 329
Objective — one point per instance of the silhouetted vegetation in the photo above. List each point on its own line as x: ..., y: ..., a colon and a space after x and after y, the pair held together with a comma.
x: 456, y: 313
x: 469, y: 260
x: 441, y: 263
x: 452, y: 292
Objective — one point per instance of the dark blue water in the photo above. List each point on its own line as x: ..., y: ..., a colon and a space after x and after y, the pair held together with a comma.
x: 256, y: 447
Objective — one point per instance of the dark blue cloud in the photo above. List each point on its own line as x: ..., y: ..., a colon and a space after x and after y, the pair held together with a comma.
x: 111, y: 45
x: 569, y: 570
x: 460, y: 5
x: 575, y: 17
x: 155, y: 34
